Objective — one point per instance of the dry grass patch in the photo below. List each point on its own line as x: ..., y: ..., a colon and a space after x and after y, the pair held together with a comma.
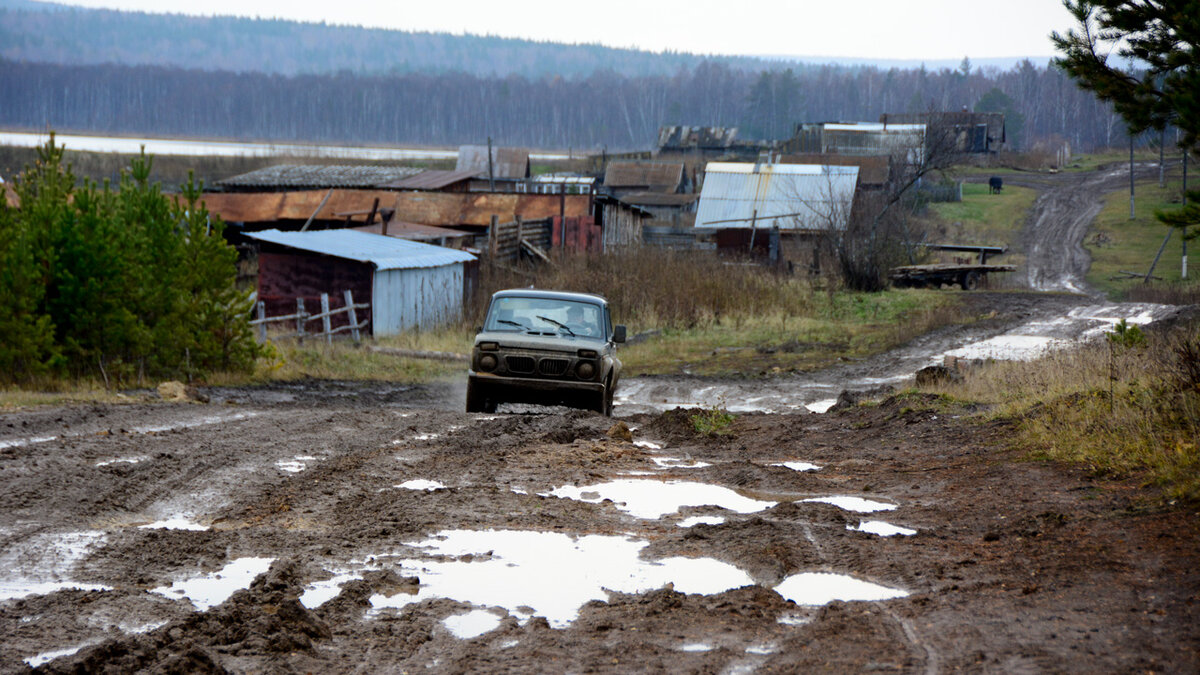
x: 1120, y: 408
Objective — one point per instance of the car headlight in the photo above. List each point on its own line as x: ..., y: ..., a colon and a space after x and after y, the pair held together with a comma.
x: 488, y: 362
x: 585, y: 370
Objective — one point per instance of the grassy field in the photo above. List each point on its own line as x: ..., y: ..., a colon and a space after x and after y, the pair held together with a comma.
x: 1117, y: 243
x: 984, y: 219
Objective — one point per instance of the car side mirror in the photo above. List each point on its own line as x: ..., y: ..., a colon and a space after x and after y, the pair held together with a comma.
x: 618, y: 333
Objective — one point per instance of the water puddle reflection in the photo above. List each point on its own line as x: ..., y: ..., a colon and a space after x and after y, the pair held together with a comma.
x: 855, y: 504
x: 881, y: 528
x: 650, y: 499
x: 295, y: 464
x: 421, y: 484
x: 472, y: 624
x: 701, y: 520
x: 798, y: 466
x: 16, y: 589
x: 211, y: 590
x: 175, y: 523
x: 122, y: 460
x: 819, y: 588
x: 678, y: 463
x: 550, y: 574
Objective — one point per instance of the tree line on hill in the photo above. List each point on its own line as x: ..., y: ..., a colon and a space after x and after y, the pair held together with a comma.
x: 78, y: 36
x: 602, y: 109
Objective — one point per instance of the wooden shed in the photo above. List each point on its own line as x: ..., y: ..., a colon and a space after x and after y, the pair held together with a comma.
x: 407, y: 284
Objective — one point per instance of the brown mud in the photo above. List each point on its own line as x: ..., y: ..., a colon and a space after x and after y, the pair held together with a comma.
x: 1016, y: 564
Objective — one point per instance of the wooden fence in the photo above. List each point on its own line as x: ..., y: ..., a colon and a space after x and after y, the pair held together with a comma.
x: 301, y: 318
x: 506, y: 240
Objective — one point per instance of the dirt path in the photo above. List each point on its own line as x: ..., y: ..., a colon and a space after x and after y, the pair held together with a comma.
x: 1004, y: 564
x: 1059, y: 221
x: 364, y: 527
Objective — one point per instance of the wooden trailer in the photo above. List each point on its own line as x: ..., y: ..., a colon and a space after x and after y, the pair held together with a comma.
x: 969, y: 277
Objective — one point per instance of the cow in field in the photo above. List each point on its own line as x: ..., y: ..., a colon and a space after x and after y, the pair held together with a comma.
x: 995, y: 185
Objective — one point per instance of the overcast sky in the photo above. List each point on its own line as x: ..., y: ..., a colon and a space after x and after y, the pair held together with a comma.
x: 871, y: 29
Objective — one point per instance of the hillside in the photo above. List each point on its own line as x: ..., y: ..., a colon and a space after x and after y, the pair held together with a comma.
x: 50, y: 33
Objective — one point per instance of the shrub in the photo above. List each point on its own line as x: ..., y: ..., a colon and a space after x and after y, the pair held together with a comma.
x: 121, y: 283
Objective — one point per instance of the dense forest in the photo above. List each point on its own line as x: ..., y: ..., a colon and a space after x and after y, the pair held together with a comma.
x: 76, y: 36
x: 602, y: 109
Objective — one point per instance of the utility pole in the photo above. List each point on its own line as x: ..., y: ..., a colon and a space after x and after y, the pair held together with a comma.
x: 492, y: 173
x: 1131, y: 176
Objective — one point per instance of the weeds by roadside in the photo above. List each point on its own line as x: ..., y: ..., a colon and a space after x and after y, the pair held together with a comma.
x: 1129, y: 406
x: 712, y: 421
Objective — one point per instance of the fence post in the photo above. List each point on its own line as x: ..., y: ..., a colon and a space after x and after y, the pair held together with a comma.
x: 353, y: 315
x: 325, y: 321
x: 493, y: 235
x: 262, y: 321
x: 301, y: 319
x: 520, y: 236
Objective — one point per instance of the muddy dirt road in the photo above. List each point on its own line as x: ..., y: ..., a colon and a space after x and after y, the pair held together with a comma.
x: 372, y: 527
x: 398, y: 538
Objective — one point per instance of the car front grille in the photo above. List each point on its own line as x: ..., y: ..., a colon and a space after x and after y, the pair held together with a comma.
x: 553, y: 367
x: 519, y: 364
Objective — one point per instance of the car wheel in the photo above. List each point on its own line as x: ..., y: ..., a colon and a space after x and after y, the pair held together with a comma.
x: 477, y: 402
x: 606, y: 399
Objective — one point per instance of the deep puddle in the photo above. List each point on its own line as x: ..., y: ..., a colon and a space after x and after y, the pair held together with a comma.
x: 651, y: 499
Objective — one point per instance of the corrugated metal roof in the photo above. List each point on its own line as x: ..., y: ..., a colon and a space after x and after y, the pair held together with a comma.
x: 506, y: 162
x: 872, y: 170
x: 820, y: 197
x: 318, y: 176
x: 431, y: 179
x: 385, y: 253
x: 663, y: 175
x: 876, y: 127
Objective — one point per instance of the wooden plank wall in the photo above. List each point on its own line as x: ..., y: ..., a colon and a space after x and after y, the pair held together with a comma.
x: 504, y: 245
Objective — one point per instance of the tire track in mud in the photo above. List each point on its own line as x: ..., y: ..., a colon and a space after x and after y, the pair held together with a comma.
x: 1059, y: 221
x: 932, y: 661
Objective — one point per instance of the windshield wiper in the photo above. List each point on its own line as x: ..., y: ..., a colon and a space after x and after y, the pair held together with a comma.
x: 560, y: 325
x: 511, y: 323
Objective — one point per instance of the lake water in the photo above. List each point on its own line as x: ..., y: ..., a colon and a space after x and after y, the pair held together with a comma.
x: 181, y: 146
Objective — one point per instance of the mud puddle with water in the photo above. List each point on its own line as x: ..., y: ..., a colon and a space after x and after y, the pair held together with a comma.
x: 1063, y: 321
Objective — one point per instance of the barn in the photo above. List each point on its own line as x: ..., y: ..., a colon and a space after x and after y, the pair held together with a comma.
x: 407, y: 284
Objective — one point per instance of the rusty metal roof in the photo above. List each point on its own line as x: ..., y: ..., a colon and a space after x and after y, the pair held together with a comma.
x: 872, y: 170
x: 431, y: 179
x: 506, y: 162
x: 385, y: 253
x: 414, y: 231
x: 265, y: 207
x: 792, y: 196
x: 477, y: 208
x: 424, y: 208
x: 301, y: 176
x: 658, y: 176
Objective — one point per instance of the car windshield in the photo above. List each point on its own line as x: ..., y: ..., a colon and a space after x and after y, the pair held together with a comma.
x: 545, y: 315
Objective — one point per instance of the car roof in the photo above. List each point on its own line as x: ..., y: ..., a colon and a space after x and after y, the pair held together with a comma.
x: 549, y: 295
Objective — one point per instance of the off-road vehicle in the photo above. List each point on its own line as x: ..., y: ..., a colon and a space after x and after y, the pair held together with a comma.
x: 545, y: 347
